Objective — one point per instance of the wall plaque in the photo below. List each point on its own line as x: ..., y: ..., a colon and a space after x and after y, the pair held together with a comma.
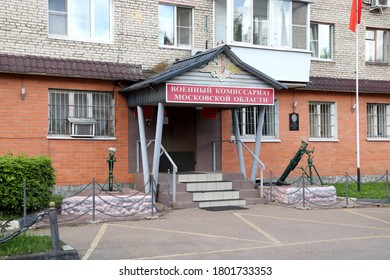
x: 294, y: 121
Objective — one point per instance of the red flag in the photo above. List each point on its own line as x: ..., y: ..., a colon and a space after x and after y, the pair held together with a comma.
x: 356, y: 15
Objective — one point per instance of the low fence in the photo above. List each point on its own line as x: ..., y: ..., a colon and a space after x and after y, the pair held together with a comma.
x: 96, y: 201
x: 324, y: 195
x: 91, y: 202
x: 34, y: 219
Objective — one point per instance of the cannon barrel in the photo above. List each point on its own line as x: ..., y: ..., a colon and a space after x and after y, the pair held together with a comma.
x: 293, y: 163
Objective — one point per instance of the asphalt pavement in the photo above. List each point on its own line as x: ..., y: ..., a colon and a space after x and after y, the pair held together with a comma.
x: 256, y: 232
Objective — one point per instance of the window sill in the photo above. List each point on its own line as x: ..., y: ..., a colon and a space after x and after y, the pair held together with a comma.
x: 263, y: 140
x: 378, y: 139
x: 323, y: 140
x: 88, y: 40
x: 81, y: 138
x: 321, y: 59
x: 187, y: 48
x: 373, y: 63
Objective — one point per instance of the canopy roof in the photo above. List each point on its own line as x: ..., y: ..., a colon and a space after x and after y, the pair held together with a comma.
x: 193, y: 62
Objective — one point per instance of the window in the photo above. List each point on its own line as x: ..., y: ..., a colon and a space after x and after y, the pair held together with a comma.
x: 248, y: 120
x: 376, y: 46
x: 275, y: 23
x: 175, y: 24
x: 321, y: 41
x: 80, y: 113
x: 322, y: 120
x: 81, y: 19
x: 378, y: 120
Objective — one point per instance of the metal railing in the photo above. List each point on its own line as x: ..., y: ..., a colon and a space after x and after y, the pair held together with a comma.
x: 163, y: 151
x: 261, y: 164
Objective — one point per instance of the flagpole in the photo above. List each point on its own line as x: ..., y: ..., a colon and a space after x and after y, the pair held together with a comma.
x: 357, y: 100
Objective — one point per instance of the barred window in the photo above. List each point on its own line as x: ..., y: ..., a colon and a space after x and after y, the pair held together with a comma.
x: 378, y: 120
x: 322, y: 120
x: 81, y: 113
x: 248, y: 119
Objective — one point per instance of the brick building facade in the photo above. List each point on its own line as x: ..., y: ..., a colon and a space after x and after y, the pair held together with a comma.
x: 132, y: 40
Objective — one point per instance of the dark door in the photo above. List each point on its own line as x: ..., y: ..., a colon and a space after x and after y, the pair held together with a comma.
x: 179, y: 138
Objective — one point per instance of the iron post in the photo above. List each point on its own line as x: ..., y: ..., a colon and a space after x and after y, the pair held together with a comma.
x: 111, y: 160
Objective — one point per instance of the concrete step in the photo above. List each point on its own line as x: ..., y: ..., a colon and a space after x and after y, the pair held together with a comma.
x: 199, y: 177
x: 180, y: 196
x: 250, y: 193
x: 206, y: 189
x: 221, y: 203
x: 215, y: 195
x: 243, y: 185
x: 255, y: 201
x: 185, y: 205
x: 209, y: 186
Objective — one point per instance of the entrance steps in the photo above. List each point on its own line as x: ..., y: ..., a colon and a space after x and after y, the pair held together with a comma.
x: 207, y: 189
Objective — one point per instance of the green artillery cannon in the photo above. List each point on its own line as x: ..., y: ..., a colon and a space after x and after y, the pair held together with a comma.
x: 294, y: 162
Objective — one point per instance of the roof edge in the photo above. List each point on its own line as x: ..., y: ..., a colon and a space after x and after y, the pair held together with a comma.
x: 70, y: 68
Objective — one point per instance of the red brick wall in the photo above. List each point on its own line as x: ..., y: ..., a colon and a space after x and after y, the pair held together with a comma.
x: 23, y: 129
x: 330, y: 157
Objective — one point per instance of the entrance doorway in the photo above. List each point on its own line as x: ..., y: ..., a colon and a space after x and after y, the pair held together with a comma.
x: 179, y: 138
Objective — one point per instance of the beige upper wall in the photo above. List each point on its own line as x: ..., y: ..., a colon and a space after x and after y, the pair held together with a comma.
x: 337, y: 12
x: 24, y: 31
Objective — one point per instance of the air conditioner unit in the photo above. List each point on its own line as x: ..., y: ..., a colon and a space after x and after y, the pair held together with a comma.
x: 82, y: 127
x: 196, y: 51
x: 380, y: 4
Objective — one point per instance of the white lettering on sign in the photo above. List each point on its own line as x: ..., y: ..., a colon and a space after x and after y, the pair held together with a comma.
x: 199, y: 94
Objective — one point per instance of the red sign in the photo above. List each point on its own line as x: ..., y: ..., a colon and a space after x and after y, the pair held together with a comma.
x: 177, y: 93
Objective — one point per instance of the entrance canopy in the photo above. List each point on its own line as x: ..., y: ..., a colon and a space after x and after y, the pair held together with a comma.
x: 216, y: 78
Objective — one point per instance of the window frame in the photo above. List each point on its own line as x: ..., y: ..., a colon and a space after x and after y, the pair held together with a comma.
x: 66, y: 113
x: 251, y: 137
x: 270, y: 24
x: 175, y: 26
x: 92, y: 37
x: 321, y: 123
x: 330, y: 43
x: 385, y: 49
x: 376, y: 124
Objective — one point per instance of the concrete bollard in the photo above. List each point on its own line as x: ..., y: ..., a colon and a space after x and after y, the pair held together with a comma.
x: 55, y: 236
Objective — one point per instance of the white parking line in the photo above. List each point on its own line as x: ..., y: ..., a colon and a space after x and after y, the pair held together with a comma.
x: 366, y: 216
x: 95, y: 242
x: 190, y: 233
x: 266, y: 234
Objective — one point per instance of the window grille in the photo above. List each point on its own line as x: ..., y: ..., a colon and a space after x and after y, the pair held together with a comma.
x: 84, y: 109
x: 322, y: 120
x: 378, y: 120
x: 248, y: 121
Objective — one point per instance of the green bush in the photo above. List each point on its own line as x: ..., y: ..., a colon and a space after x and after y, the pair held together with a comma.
x: 40, y: 179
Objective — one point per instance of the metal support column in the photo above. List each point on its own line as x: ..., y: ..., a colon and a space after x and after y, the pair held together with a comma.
x: 157, y: 144
x: 236, y: 132
x: 259, y: 134
x: 144, y: 153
